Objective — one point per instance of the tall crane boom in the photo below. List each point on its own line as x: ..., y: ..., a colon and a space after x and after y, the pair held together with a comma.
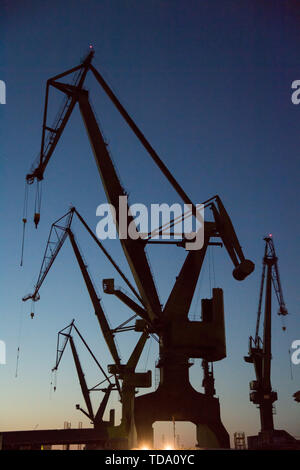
x: 108, y: 335
x: 52, y: 133
x: 56, y: 239
x: 83, y: 385
x: 275, y: 276
x: 270, y: 255
x: 134, y: 251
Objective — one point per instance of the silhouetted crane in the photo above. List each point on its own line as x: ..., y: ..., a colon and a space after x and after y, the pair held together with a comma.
x: 180, y: 338
x: 260, y: 353
x: 131, y: 380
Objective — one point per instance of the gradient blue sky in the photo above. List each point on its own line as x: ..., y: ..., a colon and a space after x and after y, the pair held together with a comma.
x: 209, y: 83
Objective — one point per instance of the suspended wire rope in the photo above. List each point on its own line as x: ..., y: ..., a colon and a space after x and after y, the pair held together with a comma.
x: 55, y: 380
x: 19, y: 338
x: 148, y: 352
x: 24, y: 220
x: 199, y: 287
x: 290, y: 362
x: 213, y: 266
x: 51, y: 384
x: 209, y: 267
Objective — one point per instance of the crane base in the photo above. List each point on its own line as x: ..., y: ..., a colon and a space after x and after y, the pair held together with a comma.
x: 277, y: 439
x: 181, y: 404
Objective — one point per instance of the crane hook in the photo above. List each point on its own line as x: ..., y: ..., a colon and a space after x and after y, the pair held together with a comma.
x: 32, y: 309
x: 37, y: 205
x: 36, y: 219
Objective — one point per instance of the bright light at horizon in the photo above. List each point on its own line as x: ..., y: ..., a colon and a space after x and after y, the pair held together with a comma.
x: 168, y: 447
x: 144, y: 447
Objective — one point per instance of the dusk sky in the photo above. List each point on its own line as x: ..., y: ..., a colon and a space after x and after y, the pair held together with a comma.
x: 209, y: 84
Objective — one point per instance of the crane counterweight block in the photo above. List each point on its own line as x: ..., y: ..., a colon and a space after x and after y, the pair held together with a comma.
x: 243, y: 270
x: 206, y: 338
